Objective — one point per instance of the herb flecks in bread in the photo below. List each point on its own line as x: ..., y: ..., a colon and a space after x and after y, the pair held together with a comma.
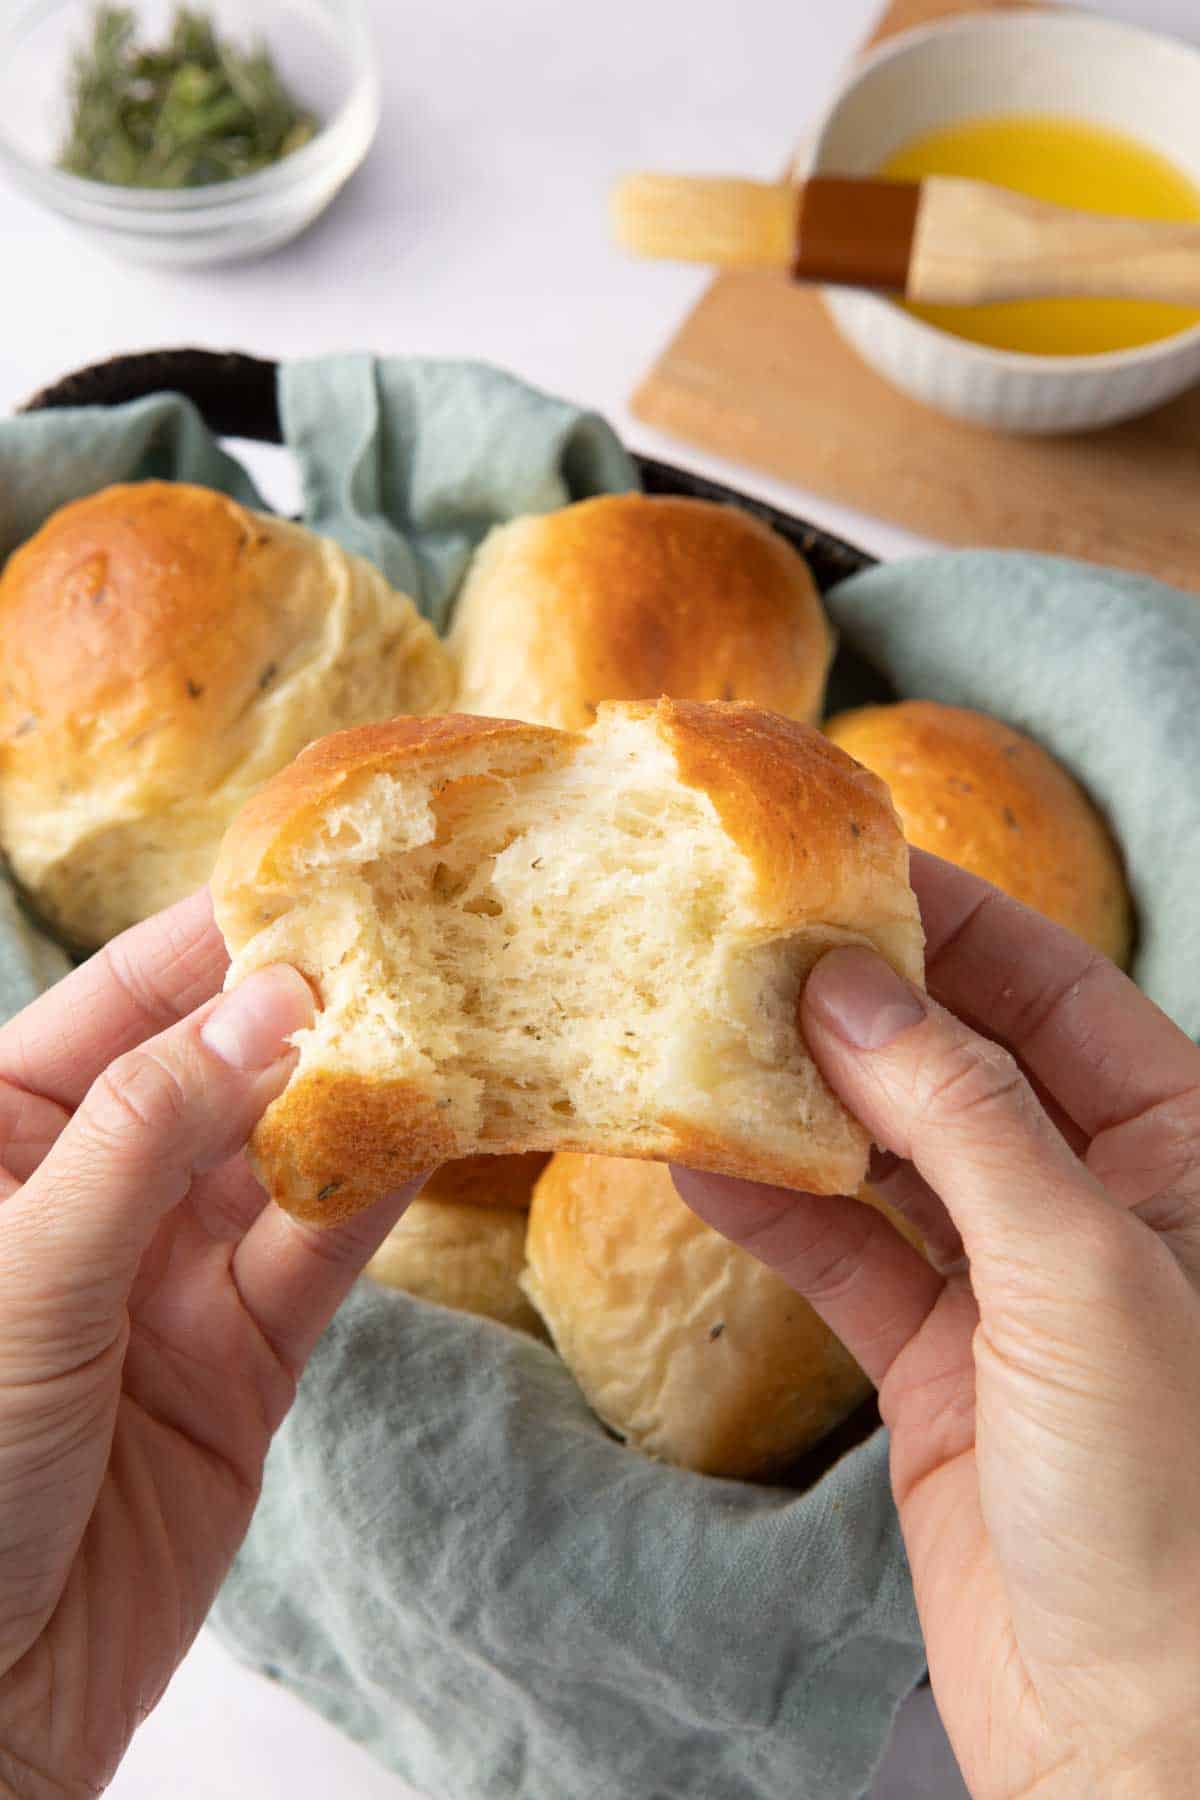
x: 527, y: 940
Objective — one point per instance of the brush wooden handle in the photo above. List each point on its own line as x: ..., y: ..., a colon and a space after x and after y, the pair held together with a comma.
x: 707, y: 219
x: 944, y: 240
x: 974, y: 242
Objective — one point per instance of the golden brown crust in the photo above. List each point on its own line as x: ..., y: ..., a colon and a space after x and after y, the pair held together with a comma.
x: 684, y: 1344
x: 625, y: 598
x: 828, y: 1173
x: 164, y: 651
x: 139, y: 604
x: 335, y: 1143
x: 325, y: 1147
x: 820, y: 831
x: 502, y: 1181
x: 462, y: 1256
x: 990, y: 799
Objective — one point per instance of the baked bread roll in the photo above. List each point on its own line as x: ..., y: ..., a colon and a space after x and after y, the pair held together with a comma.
x: 503, y: 1181
x: 627, y: 598
x: 467, y: 1257
x: 686, y: 1346
x: 525, y: 939
x: 993, y: 801
x: 164, y: 651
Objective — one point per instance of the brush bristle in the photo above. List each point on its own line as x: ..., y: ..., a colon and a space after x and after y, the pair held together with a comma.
x: 706, y: 219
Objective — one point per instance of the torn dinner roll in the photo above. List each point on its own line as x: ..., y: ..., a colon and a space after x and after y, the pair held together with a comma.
x: 531, y: 940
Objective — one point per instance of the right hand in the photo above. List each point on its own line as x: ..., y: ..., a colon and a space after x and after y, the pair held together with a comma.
x: 1040, y: 1375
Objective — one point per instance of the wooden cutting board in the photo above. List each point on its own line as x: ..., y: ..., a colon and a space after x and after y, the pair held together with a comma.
x: 757, y: 374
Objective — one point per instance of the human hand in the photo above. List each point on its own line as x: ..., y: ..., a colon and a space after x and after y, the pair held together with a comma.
x: 155, y: 1313
x: 1041, y: 1380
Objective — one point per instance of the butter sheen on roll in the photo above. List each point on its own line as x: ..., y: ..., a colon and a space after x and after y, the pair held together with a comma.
x: 165, y: 650
x: 530, y: 940
x: 685, y: 1345
x: 466, y: 1257
x: 630, y: 598
x: 990, y: 799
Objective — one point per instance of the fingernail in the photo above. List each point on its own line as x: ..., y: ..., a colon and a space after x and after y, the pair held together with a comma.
x: 249, y: 1027
x: 854, y: 994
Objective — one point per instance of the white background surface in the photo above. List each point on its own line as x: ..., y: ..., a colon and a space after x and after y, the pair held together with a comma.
x: 477, y: 228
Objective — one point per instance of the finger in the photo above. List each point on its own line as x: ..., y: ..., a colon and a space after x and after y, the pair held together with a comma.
x: 1102, y: 1049
x: 73, y: 1238
x: 227, y: 1202
x: 142, y: 982
x: 1151, y: 1164
x: 221, y: 1207
x: 292, y: 1277
x: 958, y: 1108
x: 899, y: 1186
x: 29, y: 1125
x: 872, y: 1289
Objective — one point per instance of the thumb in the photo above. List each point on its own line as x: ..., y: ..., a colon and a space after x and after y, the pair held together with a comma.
x: 73, y: 1237
x: 958, y: 1107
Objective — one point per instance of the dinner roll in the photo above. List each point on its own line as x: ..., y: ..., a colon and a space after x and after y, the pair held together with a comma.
x: 627, y: 598
x: 990, y: 799
x: 468, y: 1257
x: 687, y: 1347
x: 164, y: 651
x: 505, y: 1181
x: 525, y: 939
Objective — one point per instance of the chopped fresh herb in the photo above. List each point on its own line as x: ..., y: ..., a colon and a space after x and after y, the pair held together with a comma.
x: 192, y: 111
x: 331, y: 1187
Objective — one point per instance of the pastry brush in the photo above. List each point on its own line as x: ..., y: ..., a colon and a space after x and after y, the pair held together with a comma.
x: 944, y: 240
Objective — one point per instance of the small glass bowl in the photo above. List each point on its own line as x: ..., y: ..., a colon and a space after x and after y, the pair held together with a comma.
x: 323, y: 51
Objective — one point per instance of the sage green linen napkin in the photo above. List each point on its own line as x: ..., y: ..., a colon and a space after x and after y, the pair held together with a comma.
x: 451, y: 1559
x: 411, y: 462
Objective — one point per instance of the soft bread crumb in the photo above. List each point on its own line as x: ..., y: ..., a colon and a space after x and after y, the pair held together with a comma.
x: 571, y: 953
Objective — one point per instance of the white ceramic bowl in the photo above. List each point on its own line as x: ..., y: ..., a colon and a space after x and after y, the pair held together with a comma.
x: 322, y: 48
x: 1071, y: 64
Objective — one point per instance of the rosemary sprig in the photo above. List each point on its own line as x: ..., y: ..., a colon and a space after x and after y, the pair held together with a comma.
x: 191, y: 111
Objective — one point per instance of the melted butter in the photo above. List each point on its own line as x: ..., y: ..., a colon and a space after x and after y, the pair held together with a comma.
x: 1072, y: 164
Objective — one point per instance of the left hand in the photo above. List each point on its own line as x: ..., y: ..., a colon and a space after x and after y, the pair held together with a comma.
x: 155, y: 1313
